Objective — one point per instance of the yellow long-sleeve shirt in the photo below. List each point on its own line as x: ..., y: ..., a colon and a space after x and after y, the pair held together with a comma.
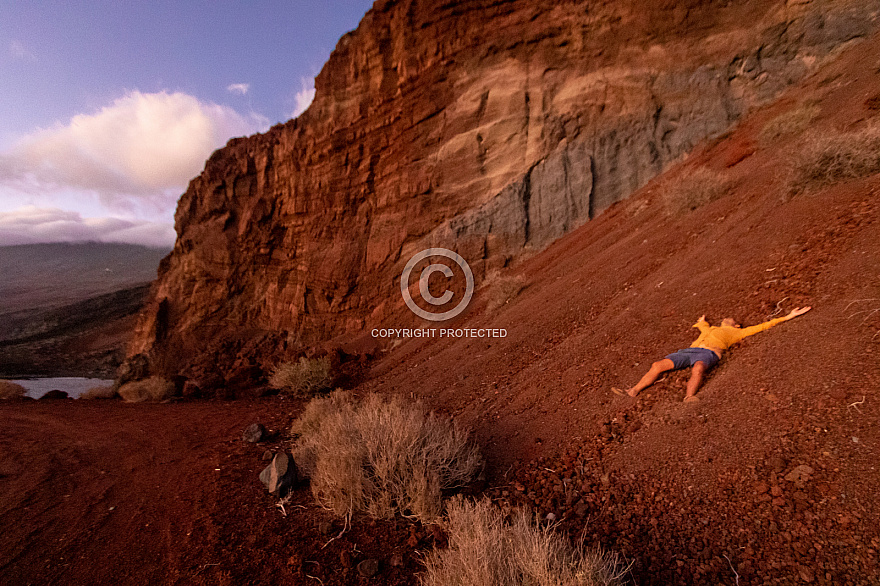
x: 720, y: 338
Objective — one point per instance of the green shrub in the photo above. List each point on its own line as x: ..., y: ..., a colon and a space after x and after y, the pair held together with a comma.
x: 693, y: 189
x: 485, y: 551
x: 10, y: 390
x: 304, y: 378
x: 832, y: 157
x: 151, y: 389
x: 381, y: 456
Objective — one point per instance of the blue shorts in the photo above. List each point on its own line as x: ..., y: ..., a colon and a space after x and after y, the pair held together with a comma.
x: 690, y: 356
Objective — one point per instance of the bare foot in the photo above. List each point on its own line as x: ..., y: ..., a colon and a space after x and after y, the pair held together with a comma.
x: 692, y: 399
x: 622, y: 393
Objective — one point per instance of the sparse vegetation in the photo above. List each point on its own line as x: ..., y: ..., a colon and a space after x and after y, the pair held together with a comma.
x: 151, y: 389
x: 503, y: 290
x: 793, y: 121
x: 99, y: 393
x: 303, y: 378
x: 485, y: 551
x: 832, y: 157
x: 381, y: 456
x: 11, y: 390
x: 691, y: 190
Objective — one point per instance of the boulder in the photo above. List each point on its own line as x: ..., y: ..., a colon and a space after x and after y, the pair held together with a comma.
x: 280, y: 476
x: 54, y: 394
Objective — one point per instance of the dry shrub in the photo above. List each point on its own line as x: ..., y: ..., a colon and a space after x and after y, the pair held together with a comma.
x: 99, y: 393
x: 10, y: 390
x: 302, y: 378
x: 791, y: 122
x: 691, y: 190
x: 381, y: 456
x: 832, y: 157
x: 504, y: 290
x: 485, y: 551
x: 150, y: 389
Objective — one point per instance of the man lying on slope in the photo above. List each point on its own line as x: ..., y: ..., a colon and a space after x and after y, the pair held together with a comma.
x: 704, y: 353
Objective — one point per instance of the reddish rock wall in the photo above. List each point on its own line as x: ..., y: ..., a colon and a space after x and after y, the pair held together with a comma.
x: 490, y: 127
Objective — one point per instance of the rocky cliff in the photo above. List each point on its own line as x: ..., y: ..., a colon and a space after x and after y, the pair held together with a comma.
x: 489, y: 127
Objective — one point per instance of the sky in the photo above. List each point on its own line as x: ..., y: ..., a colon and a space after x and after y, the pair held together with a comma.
x: 109, y: 108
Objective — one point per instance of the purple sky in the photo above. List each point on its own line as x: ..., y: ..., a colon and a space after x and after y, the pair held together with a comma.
x: 108, y: 108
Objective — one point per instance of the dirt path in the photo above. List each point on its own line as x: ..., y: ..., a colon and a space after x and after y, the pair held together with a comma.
x: 108, y: 493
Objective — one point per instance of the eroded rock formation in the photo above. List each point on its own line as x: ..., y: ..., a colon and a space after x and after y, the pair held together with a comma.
x: 490, y: 127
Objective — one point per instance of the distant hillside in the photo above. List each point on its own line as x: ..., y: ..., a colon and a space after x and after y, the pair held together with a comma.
x: 43, y: 276
x: 68, y: 309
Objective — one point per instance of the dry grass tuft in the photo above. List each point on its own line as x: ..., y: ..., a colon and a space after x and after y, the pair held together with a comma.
x: 691, y: 190
x: 10, y: 390
x: 791, y: 122
x: 149, y: 389
x: 503, y: 290
x: 381, y: 456
x: 485, y: 551
x: 99, y: 393
x: 833, y: 157
x: 303, y: 378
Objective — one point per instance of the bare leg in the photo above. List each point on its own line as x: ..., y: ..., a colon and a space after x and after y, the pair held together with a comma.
x: 696, y: 379
x: 651, y: 376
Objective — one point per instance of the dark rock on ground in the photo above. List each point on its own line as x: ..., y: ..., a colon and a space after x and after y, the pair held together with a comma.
x: 280, y: 475
x: 253, y: 433
x: 54, y: 394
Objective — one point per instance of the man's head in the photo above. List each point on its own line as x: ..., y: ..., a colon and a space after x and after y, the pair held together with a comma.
x: 729, y: 321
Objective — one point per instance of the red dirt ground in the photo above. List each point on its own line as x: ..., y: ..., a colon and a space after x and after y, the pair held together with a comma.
x: 691, y: 494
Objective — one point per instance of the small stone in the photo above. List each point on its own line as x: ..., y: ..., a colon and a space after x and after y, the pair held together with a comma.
x: 550, y: 517
x: 800, y: 473
x: 368, y: 568
x: 253, y: 433
x: 267, y: 455
x: 806, y: 574
x: 761, y: 487
x: 776, y: 463
x: 776, y: 491
x: 345, y: 558
x: 325, y: 527
x: 396, y: 560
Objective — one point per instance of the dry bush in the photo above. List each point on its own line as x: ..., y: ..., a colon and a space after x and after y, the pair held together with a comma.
x: 485, y: 551
x: 99, y: 393
x: 832, y: 157
x: 381, y: 456
x: 150, y: 389
x: 504, y: 290
x: 793, y: 121
x: 302, y: 378
x: 10, y: 390
x: 689, y: 191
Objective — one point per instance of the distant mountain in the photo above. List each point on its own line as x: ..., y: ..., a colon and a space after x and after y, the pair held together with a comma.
x: 44, y: 276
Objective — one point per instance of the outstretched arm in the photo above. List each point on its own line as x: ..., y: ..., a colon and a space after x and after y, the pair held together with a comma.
x: 751, y: 330
x: 702, y: 324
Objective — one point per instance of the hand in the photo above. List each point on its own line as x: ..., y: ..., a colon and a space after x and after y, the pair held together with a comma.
x: 798, y: 311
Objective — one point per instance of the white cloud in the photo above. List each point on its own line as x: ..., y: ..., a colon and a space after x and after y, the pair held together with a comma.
x: 238, y: 88
x: 141, y: 149
x: 31, y: 224
x: 303, y: 98
x: 19, y: 51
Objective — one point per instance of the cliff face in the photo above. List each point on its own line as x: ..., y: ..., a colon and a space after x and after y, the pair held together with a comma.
x: 490, y: 127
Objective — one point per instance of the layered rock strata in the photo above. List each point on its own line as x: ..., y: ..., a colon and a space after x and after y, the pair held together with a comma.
x: 489, y: 127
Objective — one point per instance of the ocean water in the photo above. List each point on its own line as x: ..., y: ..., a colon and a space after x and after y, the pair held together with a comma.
x: 73, y: 386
